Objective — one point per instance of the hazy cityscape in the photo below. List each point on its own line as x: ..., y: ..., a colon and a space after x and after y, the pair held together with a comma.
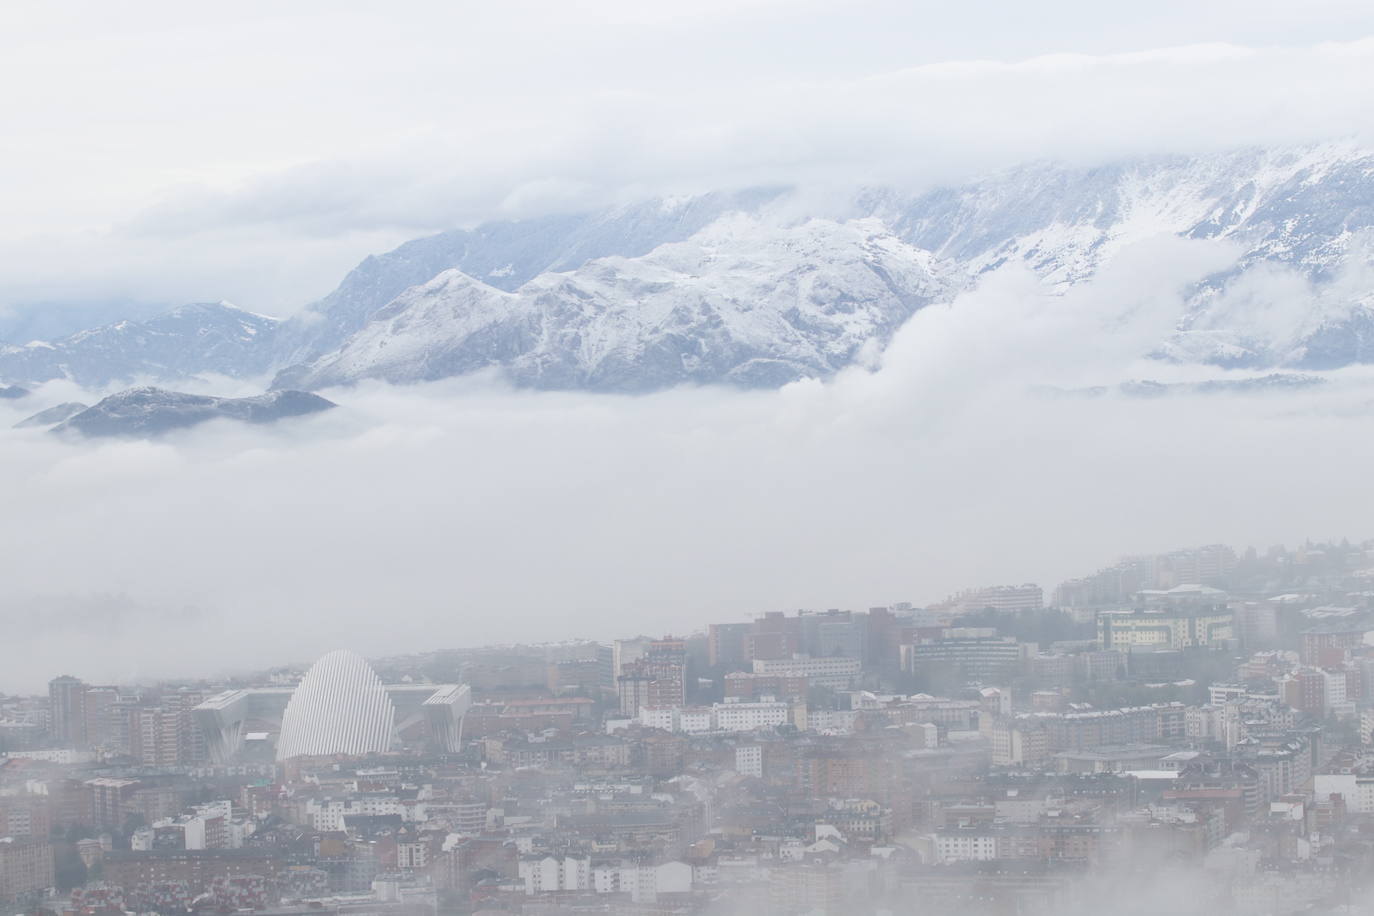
x: 1192, y: 723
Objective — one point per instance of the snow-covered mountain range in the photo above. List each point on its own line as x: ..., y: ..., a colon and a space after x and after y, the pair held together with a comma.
x: 756, y: 288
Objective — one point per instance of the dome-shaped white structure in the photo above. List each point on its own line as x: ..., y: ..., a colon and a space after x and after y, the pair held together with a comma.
x: 339, y: 707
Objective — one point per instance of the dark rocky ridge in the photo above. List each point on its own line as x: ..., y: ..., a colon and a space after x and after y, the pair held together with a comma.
x: 143, y: 412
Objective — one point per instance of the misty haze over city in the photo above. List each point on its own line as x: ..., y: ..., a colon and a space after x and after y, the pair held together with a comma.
x: 654, y: 458
x: 479, y: 509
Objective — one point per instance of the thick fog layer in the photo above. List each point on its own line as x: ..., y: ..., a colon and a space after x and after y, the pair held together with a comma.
x: 467, y: 512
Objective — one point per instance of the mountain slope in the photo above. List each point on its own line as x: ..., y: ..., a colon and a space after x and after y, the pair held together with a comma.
x: 51, y: 416
x: 504, y: 255
x: 1305, y: 215
x: 188, y: 341
x: 743, y: 301
x: 1289, y: 205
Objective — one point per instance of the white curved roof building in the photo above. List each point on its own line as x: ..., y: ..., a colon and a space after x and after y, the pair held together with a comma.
x: 339, y: 707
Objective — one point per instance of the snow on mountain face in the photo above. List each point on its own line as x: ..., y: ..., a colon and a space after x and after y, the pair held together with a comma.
x: 193, y: 339
x: 1289, y: 205
x: 1298, y: 297
x: 1302, y: 218
x: 504, y: 255
x: 742, y: 301
x: 150, y: 411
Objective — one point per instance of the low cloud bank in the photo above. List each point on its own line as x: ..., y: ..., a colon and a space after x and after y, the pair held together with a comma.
x: 465, y: 512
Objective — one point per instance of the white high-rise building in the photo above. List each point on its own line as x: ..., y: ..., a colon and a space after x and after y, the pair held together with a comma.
x: 626, y: 651
x: 745, y: 717
x: 749, y: 760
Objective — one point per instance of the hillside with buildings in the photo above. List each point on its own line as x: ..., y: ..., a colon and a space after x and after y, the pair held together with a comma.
x: 1202, y: 708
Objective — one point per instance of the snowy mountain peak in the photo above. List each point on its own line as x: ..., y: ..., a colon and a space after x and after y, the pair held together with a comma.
x: 743, y: 301
x: 760, y: 287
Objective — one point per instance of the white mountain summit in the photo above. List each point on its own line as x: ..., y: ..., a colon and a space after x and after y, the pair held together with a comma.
x: 742, y: 301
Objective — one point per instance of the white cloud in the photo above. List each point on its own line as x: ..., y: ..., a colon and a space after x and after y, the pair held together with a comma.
x: 253, y: 154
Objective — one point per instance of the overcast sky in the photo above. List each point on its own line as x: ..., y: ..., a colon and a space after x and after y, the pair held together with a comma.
x: 254, y: 151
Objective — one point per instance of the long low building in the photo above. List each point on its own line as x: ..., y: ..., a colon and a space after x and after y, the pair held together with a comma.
x: 1175, y: 628
x: 138, y: 873
x: 730, y: 716
x: 1113, y: 758
x: 837, y: 672
x: 977, y: 654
